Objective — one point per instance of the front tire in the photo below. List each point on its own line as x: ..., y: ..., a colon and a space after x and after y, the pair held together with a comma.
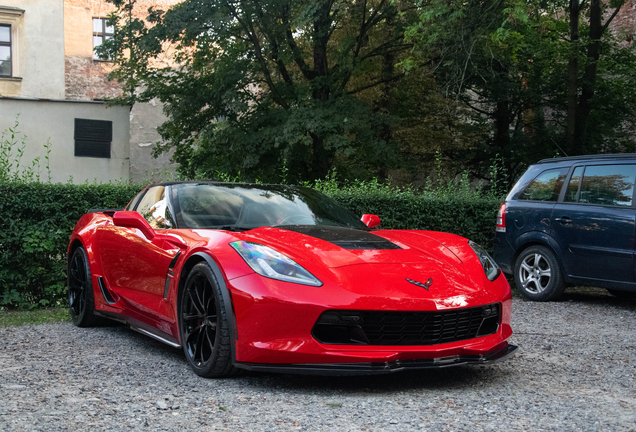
x: 538, y: 274
x: 80, y: 290
x: 203, y: 324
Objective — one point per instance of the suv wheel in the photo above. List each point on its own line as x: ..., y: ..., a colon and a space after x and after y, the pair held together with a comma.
x: 538, y: 274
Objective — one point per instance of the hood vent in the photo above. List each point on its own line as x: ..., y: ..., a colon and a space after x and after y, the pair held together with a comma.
x: 346, y: 238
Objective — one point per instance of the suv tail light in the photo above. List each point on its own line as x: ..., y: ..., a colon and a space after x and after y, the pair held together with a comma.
x: 501, y: 218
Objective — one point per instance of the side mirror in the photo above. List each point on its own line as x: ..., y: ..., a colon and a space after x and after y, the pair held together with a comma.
x: 132, y: 219
x: 371, y: 220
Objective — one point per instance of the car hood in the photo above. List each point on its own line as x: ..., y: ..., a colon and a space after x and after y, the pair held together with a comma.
x: 338, y: 247
x: 438, y: 269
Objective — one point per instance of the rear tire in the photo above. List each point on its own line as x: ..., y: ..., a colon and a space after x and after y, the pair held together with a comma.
x: 538, y: 274
x: 622, y: 294
x: 203, y: 325
x: 81, y: 298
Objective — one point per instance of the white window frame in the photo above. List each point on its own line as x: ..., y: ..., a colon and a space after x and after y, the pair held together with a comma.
x: 13, y: 17
x: 103, y: 35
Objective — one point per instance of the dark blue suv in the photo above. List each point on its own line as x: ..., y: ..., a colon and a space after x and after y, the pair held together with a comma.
x: 570, y: 221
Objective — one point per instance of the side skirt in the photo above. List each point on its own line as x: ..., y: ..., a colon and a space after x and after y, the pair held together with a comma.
x: 141, y: 328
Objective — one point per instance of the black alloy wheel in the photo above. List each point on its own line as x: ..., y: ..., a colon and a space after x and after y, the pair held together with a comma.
x: 80, y: 290
x: 203, y: 324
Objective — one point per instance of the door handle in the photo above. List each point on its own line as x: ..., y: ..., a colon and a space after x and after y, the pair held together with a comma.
x: 564, y: 220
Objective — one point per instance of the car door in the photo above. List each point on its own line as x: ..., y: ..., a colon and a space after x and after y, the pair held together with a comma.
x: 135, y: 268
x: 528, y: 214
x: 594, y: 223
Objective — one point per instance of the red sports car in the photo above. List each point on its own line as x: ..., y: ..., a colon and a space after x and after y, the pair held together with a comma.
x: 283, y: 279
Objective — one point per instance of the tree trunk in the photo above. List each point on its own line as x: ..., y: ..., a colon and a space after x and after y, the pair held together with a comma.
x: 322, y: 159
x: 502, y: 126
x: 387, y: 102
x: 322, y: 26
x: 588, y: 84
x: 573, y: 70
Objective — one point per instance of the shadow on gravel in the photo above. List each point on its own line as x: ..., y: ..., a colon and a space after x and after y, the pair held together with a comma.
x: 456, y: 377
x: 595, y: 296
x: 450, y: 378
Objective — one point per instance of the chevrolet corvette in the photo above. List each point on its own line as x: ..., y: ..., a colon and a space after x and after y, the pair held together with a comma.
x: 279, y: 278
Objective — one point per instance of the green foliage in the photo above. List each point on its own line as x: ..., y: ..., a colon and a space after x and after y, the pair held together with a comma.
x: 36, y: 220
x: 247, y: 85
x: 507, y: 62
x: 12, y: 145
x: 34, y: 317
x: 452, y: 207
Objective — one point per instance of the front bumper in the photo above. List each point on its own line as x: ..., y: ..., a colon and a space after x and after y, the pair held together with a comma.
x: 379, y: 368
x: 275, y: 320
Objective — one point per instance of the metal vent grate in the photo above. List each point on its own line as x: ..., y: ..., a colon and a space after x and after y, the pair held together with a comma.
x: 93, y: 138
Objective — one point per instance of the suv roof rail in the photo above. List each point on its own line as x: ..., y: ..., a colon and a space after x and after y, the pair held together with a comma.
x: 584, y: 157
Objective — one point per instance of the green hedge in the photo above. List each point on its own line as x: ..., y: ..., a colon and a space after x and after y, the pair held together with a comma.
x: 36, y: 220
x: 469, y: 216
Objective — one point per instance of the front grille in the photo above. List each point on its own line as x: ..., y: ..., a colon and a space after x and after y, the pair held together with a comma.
x: 406, y: 328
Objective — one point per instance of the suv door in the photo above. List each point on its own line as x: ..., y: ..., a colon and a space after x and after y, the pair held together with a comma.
x: 529, y: 212
x: 594, y: 223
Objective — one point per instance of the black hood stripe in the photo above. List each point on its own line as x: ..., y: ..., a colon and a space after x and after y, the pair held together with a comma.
x: 346, y: 238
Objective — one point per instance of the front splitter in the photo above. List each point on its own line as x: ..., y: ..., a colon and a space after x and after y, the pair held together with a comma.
x: 381, y: 367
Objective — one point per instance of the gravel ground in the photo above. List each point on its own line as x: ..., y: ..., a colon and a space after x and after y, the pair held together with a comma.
x: 575, y: 370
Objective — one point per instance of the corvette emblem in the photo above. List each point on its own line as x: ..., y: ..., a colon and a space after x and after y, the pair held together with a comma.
x: 426, y: 285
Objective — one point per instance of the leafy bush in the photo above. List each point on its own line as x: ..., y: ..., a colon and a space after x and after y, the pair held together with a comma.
x: 36, y: 220
x: 450, y: 207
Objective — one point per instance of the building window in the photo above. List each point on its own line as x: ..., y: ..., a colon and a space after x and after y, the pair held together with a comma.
x: 101, y: 32
x: 5, y: 50
x: 93, y: 138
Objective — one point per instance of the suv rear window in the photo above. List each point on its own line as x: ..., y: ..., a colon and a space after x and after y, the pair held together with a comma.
x: 546, y: 186
x: 603, y: 184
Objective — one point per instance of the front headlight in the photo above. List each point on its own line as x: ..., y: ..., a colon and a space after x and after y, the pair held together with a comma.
x: 272, y: 264
x: 491, y: 268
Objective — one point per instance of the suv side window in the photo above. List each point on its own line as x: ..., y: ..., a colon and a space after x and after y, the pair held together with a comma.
x: 603, y: 184
x: 546, y: 186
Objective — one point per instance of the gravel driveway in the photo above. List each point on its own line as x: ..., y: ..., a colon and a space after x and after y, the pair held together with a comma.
x: 575, y: 370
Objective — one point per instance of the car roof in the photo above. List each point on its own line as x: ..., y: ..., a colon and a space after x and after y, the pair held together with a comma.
x: 607, y: 156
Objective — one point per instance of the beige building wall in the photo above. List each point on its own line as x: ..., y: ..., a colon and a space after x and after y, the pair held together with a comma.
x: 87, y: 79
x: 37, y: 48
x: 54, y: 121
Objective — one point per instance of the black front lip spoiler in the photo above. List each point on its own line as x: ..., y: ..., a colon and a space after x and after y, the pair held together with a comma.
x: 382, y: 368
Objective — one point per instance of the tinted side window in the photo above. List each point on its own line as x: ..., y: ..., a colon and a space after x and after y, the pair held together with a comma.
x: 572, y: 192
x: 608, y: 185
x: 154, y: 208
x: 546, y: 186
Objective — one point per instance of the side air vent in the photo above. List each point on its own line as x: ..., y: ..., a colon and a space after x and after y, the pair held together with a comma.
x: 170, y: 275
x: 105, y: 293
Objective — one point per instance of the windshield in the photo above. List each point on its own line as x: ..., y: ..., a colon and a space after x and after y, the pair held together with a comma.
x: 241, y: 206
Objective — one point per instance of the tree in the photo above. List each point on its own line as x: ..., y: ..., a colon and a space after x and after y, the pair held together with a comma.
x: 518, y: 66
x: 249, y: 85
x: 581, y: 90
